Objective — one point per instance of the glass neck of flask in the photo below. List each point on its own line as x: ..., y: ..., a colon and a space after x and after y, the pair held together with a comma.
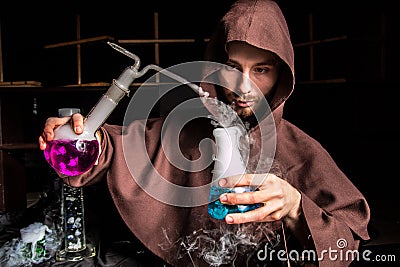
x: 228, y: 159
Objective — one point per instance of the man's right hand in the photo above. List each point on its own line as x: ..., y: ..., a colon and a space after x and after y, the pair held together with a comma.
x: 52, y: 123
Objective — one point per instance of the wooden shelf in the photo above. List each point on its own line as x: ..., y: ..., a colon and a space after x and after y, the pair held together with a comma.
x: 20, y: 146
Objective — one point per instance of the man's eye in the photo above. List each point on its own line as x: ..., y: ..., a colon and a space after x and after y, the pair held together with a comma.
x: 260, y: 70
x: 230, y: 67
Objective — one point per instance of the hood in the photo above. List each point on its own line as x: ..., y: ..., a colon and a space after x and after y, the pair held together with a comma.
x: 259, y: 23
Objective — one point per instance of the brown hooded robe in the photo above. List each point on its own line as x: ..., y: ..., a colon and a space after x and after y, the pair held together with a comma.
x: 333, y: 208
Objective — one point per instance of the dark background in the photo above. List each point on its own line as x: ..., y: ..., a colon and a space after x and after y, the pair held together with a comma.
x: 348, y: 102
x: 368, y: 53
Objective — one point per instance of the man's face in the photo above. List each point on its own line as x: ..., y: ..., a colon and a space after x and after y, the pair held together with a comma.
x: 249, y: 77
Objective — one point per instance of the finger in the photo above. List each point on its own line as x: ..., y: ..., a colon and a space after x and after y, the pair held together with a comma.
x: 273, y: 210
x: 50, y: 125
x: 236, y: 180
x: 77, y: 123
x: 42, y: 143
x: 243, y: 198
x: 48, y: 130
x: 263, y: 214
x: 256, y: 215
x: 245, y: 179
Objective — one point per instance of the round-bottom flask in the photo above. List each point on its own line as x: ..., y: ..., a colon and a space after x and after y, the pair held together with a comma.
x: 69, y: 153
x: 72, y: 157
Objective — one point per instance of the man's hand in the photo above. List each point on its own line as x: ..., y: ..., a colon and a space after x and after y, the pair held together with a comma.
x: 281, y: 200
x: 54, y: 122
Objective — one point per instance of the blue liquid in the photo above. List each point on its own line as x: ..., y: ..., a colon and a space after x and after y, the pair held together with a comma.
x: 218, y: 210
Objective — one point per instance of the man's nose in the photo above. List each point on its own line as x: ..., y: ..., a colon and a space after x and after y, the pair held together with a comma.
x: 244, y: 84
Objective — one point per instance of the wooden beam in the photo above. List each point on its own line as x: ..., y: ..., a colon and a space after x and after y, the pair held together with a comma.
x: 81, y: 41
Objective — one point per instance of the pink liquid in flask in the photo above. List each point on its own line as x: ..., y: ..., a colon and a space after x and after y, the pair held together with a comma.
x: 72, y: 157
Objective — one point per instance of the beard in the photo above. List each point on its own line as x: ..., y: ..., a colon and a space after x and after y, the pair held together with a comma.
x: 250, y: 115
x: 243, y: 113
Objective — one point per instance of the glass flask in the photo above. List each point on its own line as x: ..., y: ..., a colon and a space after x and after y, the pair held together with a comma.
x: 69, y: 154
x: 72, y: 154
x: 227, y: 162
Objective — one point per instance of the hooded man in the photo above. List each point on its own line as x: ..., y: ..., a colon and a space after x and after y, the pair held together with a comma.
x: 308, y: 203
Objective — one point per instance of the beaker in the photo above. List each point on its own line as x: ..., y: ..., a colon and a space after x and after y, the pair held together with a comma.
x: 228, y: 161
